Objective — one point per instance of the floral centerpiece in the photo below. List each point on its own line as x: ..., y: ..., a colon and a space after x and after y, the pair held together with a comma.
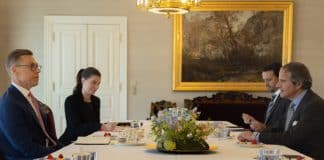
x: 175, y: 129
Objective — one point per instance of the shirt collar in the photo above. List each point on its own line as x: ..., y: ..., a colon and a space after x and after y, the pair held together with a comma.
x: 298, y: 99
x: 21, y: 89
x: 276, y: 94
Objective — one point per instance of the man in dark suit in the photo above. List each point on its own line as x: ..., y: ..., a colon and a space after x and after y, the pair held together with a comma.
x: 24, y: 130
x: 304, y: 128
x: 276, y: 112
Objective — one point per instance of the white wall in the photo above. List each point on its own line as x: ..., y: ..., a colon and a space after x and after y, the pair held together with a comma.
x: 3, y: 44
x: 308, y: 39
x: 150, y: 43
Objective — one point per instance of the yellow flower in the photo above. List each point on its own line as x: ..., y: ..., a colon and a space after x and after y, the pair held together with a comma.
x: 169, y: 145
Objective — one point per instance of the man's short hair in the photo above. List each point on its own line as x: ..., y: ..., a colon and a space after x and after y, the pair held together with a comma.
x: 299, y: 74
x: 14, y: 56
x: 275, y: 67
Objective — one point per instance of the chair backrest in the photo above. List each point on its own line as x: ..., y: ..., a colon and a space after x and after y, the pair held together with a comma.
x: 188, y: 104
x: 161, y: 105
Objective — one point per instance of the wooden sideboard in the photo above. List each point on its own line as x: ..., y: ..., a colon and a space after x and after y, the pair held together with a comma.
x: 229, y: 106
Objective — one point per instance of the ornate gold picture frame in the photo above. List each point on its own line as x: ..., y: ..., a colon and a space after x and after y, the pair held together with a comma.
x: 223, y: 46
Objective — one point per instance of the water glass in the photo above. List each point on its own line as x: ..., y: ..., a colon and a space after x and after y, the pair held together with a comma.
x: 93, y: 155
x: 136, y: 124
x: 131, y: 135
x: 122, y: 136
x: 269, y: 154
x: 221, y: 133
x: 140, y: 134
x: 147, y: 135
x: 81, y: 156
x: 224, y: 133
x: 218, y: 124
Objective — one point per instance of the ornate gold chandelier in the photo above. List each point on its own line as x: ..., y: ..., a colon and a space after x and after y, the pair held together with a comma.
x: 167, y: 7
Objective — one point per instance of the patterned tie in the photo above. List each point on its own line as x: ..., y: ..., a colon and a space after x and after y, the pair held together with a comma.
x: 290, y: 113
x: 39, y: 117
x: 270, y: 106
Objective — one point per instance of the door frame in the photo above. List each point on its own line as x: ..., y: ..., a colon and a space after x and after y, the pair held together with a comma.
x: 49, y: 21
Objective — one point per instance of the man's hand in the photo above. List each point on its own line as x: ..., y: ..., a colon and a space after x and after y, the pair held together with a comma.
x: 247, y: 118
x: 108, y: 126
x: 254, y: 124
x: 246, y: 136
x: 257, y: 126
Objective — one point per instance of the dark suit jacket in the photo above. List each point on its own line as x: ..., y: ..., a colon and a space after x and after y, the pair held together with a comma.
x: 81, y: 120
x: 306, y: 130
x: 1, y: 156
x: 277, y: 118
x: 21, y: 136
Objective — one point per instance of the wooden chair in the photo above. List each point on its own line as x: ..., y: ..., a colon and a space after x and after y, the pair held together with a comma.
x: 160, y: 105
x: 188, y: 104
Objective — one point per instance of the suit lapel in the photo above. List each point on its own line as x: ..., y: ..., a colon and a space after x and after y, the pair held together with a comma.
x: 23, y: 102
x: 274, y: 107
x: 301, y: 106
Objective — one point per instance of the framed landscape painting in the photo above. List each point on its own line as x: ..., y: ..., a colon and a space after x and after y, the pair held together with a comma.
x: 223, y: 46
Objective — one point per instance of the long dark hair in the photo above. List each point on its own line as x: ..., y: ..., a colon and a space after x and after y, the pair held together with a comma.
x: 84, y: 73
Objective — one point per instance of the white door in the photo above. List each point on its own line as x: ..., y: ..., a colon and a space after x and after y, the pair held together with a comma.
x: 103, y: 49
x: 72, y: 43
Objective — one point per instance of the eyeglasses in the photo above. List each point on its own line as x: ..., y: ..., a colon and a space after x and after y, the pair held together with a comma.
x: 33, y: 66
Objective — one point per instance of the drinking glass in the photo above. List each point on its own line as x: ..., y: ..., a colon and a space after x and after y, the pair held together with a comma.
x: 140, y: 135
x: 269, y: 154
x: 221, y: 133
x: 131, y: 135
x: 219, y: 124
x: 122, y: 136
x: 136, y: 124
x: 81, y: 156
x: 224, y: 133
x: 148, y: 137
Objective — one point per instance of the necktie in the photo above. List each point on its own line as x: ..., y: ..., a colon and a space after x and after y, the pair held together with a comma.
x: 270, y: 106
x: 290, y: 113
x: 39, y: 117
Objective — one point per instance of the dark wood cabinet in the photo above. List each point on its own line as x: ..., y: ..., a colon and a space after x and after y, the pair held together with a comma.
x: 229, y: 106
